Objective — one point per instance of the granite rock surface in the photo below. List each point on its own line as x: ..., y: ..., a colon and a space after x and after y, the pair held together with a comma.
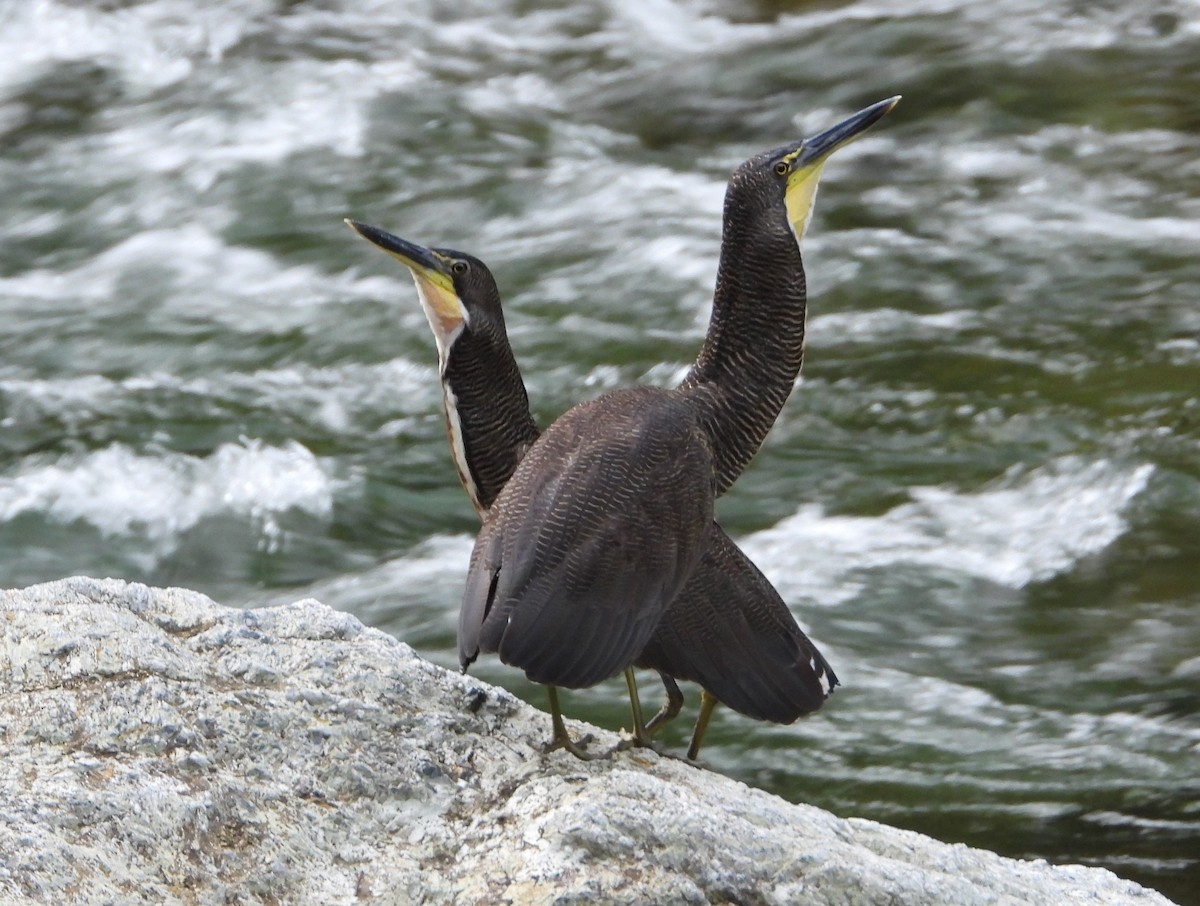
x: 161, y: 748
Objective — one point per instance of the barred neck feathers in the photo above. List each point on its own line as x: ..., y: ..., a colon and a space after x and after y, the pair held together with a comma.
x: 754, y: 347
x: 487, y: 411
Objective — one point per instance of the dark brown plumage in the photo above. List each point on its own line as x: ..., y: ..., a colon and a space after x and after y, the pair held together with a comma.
x: 536, y: 574
x: 727, y: 629
x: 731, y: 632
x: 609, y: 512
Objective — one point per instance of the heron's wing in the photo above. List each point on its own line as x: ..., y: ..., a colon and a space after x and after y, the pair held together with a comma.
x: 598, y: 528
x: 729, y: 630
x: 482, y: 576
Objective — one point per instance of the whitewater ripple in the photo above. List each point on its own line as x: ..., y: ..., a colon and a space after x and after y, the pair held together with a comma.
x: 1027, y: 527
x: 122, y: 492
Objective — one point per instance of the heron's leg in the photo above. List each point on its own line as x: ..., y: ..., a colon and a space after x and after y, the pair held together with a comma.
x: 561, y: 739
x: 708, y: 701
x: 635, y: 706
x: 670, y: 708
x: 639, y: 738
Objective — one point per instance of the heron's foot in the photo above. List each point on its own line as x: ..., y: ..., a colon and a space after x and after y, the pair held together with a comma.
x: 688, y: 760
x: 641, y: 740
x: 578, y: 748
x: 561, y: 738
x: 631, y: 741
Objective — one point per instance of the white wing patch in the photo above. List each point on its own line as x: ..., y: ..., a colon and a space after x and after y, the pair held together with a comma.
x: 822, y: 676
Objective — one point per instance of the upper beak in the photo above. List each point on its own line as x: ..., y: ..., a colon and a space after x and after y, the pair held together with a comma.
x: 435, y: 285
x: 413, y: 256
x: 820, y: 146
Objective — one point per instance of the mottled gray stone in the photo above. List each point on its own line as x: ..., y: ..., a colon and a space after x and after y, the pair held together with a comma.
x: 160, y: 748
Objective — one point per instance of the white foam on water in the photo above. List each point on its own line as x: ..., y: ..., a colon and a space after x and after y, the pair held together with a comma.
x: 505, y: 94
x: 673, y: 242
x: 424, y: 586
x: 336, y: 397
x: 32, y: 399
x: 1003, y: 743
x: 122, y: 492
x: 1082, y: 216
x: 40, y: 33
x: 437, y: 562
x: 1019, y: 31
x: 985, y: 741
x: 306, y: 105
x: 1181, y: 351
x: 246, y: 288
x: 221, y: 113
x: 591, y: 204
x: 888, y: 324
x: 1064, y: 187
x: 671, y: 28
x: 1027, y: 527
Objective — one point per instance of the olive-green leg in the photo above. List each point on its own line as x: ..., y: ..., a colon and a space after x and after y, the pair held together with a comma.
x: 639, y: 738
x: 562, y: 739
x: 707, y: 703
x: 670, y: 708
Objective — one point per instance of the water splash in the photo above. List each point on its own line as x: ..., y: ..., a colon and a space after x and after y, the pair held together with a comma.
x: 1026, y: 527
x: 122, y: 492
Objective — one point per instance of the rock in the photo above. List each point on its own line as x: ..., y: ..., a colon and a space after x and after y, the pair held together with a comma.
x: 160, y: 748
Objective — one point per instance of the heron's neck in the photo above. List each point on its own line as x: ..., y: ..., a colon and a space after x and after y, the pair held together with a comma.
x: 754, y: 347
x: 487, y: 415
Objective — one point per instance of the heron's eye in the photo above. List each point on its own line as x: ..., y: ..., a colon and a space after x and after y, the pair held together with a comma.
x: 782, y: 167
x: 459, y: 267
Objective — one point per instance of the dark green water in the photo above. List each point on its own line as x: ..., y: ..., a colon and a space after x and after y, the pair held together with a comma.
x: 983, y: 499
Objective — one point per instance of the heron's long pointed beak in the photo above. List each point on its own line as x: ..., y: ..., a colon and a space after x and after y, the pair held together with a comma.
x: 435, y: 284
x: 807, y: 158
x: 820, y: 146
x: 414, y: 257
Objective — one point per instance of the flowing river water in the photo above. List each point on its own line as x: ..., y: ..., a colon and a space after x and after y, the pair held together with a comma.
x: 983, y: 498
